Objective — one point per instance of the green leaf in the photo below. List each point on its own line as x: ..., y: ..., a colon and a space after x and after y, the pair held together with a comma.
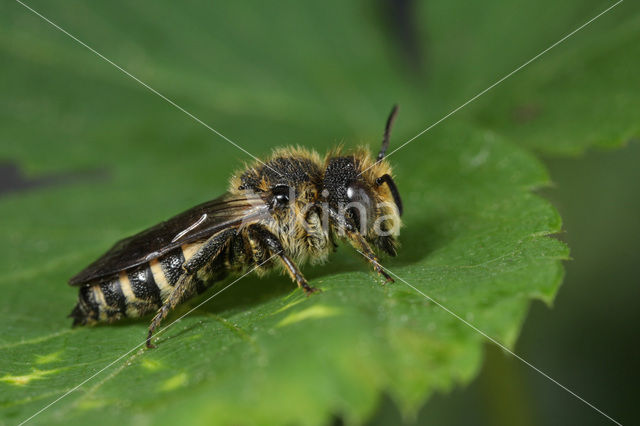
x: 118, y: 159
x: 474, y: 241
x: 578, y: 98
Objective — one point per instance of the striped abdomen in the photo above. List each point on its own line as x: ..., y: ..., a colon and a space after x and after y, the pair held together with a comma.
x: 137, y: 291
x: 145, y: 288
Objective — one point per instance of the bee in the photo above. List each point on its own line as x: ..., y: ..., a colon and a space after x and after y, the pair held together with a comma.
x: 280, y: 213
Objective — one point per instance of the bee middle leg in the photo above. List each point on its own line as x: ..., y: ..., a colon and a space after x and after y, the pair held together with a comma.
x: 274, y: 245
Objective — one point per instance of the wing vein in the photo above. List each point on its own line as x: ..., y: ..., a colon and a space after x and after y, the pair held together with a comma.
x: 200, y: 222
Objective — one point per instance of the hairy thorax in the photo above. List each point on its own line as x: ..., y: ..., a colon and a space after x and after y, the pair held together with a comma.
x: 303, y: 234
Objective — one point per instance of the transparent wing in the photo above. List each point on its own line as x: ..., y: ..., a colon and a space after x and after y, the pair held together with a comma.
x: 200, y: 222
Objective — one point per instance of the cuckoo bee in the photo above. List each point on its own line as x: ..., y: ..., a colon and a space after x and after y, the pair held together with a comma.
x: 290, y: 209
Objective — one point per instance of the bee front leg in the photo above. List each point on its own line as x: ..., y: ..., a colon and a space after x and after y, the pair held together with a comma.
x: 275, y: 246
x: 363, y: 247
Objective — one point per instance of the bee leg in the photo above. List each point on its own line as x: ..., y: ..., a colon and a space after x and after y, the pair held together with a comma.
x: 296, y: 275
x: 363, y: 247
x: 275, y: 246
x: 185, y: 287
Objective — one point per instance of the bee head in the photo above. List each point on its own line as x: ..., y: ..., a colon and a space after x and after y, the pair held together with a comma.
x: 361, y: 196
x: 359, y: 199
x: 350, y: 200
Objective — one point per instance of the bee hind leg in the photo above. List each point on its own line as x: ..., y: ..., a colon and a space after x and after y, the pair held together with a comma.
x: 182, y: 287
x: 275, y: 246
x: 186, y: 285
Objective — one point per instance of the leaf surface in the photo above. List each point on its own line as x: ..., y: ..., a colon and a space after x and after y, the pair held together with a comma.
x: 108, y: 158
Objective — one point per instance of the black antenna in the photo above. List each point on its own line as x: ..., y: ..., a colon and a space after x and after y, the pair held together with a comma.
x: 387, y: 132
x: 394, y: 190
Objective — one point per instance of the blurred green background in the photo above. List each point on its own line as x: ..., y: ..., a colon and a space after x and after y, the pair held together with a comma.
x: 312, y: 73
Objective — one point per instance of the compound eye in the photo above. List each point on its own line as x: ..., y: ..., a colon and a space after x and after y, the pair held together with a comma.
x: 357, y: 194
x: 281, y: 194
x: 360, y: 207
